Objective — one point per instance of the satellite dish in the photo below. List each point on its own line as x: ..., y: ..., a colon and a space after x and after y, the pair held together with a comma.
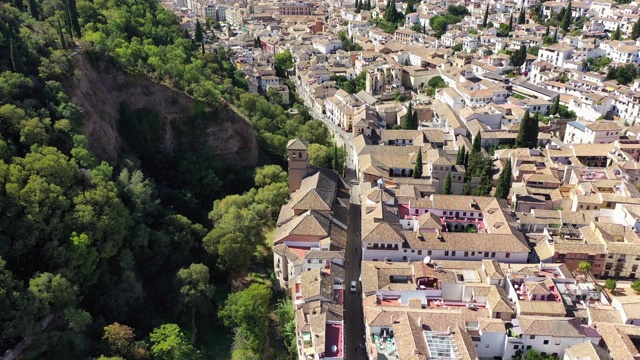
x: 427, y: 259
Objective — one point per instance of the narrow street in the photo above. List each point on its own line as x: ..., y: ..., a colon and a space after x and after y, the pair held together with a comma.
x: 353, y: 316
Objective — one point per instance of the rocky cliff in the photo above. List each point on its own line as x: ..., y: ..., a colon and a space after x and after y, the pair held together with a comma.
x: 100, y: 90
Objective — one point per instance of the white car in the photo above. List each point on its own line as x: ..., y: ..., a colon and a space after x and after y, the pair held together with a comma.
x: 353, y: 288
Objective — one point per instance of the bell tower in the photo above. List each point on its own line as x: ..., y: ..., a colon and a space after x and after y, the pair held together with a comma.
x: 297, y: 157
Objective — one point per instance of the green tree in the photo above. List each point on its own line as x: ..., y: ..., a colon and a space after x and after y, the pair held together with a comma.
x: 34, y: 9
x: 556, y: 106
x: 521, y: 16
x: 436, y: 82
x: 635, y: 30
x: 283, y: 62
x: 336, y: 166
x: 546, y: 32
x: 409, y: 8
x: 447, y: 184
x: 417, y: 169
x: 476, y: 146
x: 367, y: 5
x: 566, y: 19
x: 504, y: 182
x: 555, y: 36
x: 486, y: 16
x: 119, y: 340
x: 199, y: 37
x: 534, y: 131
x: 461, y: 156
x: 318, y: 156
x: 519, y: 57
x: 510, y: 23
x: 408, y: 120
x: 270, y: 174
x: 610, y: 285
x: 616, y: 34
x: 195, y: 290
x: 525, y: 125
x: 391, y: 14
x: 584, y: 267
x: 635, y: 286
x: 168, y: 342
x: 73, y: 14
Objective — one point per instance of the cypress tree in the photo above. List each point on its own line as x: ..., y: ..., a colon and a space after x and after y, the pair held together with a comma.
x: 566, y: 18
x: 409, y: 118
x: 521, y: 139
x: 460, y: 156
x: 409, y: 8
x: 73, y: 12
x: 417, y: 170
x: 532, y: 133
x: 467, y: 188
x: 355, y: 4
x: 34, y: 10
x: 635, y: 31
x: 391, y: 13
x: 616, y: 34
x: 511, y: 22
x: 202, y: 47
x: 555, y: 36
x: 367, y: 5
x: 466, y: 158
x: 486, y: 16
x: 546, y: 32
x: 414, y: 121
x: 335, y: 157
x: 63, y: 43
x: 67, y: 19
x: 556, y: 106
x: 14, y: 54
x: 504, y: 182
x: 521, y: 17
x: 447, y: 184
x: 476, y: 146
x: 199, y: 37
x: 19, y: 4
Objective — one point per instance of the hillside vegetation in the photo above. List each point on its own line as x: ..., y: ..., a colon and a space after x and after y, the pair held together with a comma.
x: 130, y: 259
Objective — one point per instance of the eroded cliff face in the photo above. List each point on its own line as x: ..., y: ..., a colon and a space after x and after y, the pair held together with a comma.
x: 99, y: 90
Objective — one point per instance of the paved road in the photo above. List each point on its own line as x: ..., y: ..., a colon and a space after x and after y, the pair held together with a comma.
x: 354, y: 319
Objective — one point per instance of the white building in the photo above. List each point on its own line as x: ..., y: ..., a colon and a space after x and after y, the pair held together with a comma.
x: 599, y: 132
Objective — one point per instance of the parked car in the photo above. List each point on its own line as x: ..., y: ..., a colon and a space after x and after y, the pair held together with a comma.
x: 353, y: 288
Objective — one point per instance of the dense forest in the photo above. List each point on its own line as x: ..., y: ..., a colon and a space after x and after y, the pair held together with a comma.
x: 118, y: 262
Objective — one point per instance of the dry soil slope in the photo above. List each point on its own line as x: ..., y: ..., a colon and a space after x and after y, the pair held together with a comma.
x: 99, y: 90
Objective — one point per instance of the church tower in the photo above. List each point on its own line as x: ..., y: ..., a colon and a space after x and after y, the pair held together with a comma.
x: 298, y: 162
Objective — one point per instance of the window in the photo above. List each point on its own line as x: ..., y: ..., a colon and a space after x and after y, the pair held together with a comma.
x: 429, y: 252
x: 404, y: 258
x: 453, y: 253
x: 446, y: 253
x: 546, y: 342
x: 493, y: 254
x: 486, y: 254
x: 507, y: 255
x: 419, y: 252
x: 532, y: 337
x: 557, y: 342
x: 466, y: 253
x: 515, y: 347
x: 405, y: 250
x: 464, y: 213
x: 528, y: 347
